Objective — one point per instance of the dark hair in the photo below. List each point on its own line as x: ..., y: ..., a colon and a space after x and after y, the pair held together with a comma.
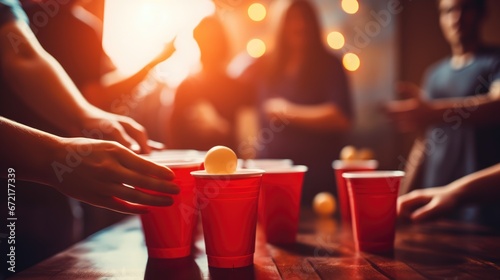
x: 480, y: 5
x: 315, y: 49
x: 211, y: 37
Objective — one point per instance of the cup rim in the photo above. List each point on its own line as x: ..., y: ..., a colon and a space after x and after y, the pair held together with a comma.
x: 374, y: 174
x: 176, y: 162
x: 284, y: 170
x: 236, y: 196
x: 239, y: 173
x: 357, y: 163
x: 160, y: 154
x: 268, y: 162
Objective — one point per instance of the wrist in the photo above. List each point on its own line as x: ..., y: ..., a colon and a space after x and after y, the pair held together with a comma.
x: 50, y: 160
x: 81, y: 118
x: 460, y: 190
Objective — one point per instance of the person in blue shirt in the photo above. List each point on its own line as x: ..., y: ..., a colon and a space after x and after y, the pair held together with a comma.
x: 457, y: 108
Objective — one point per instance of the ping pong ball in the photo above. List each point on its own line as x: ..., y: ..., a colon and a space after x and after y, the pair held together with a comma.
x: 324, y: 204
x: 365, y: 154
x: 220, y: 160
x: 348, y: 153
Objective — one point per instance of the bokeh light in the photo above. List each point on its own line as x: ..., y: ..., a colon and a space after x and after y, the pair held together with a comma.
x: 351, y: 61
x: 256, y: 48
x: 257, y: 12
x: 335, y: 40
x: 350, y: 6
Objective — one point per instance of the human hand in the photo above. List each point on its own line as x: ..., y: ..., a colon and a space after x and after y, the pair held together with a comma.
x: 411, y: 114
x: 99, y: 124
x: 109, y: 176
x: 167, y: 52
x: 424, y: 204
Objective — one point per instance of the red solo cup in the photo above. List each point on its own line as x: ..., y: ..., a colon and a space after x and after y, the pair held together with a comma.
x: 168, y: 231
x: 229, y: 223
x: 221, y: 186
x: 230, y: 195
x: 279, y: 203
x: 265, y: 163
x: 340, y: 167
x: 373, y: 196
x: 176, y: 155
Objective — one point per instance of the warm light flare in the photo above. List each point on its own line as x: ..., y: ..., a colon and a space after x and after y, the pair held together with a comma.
x: 350, y: 6
x: 335, y: 40
x: 256, y: 48
x: 257, y: 12
x: 351, y: 61
x: 137, y: 31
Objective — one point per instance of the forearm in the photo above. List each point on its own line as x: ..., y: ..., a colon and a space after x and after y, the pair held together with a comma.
x: 40, y: 81
x: 29, y: 151
x: 479, y: 109
x: 325, y: 117
x: 481, y: 186
x: 113, y: 87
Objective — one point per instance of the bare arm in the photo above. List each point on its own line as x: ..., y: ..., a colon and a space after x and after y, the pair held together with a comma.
x: 89, y: 170
x: 39, y: 80
x: 43, y: 85
x: 479, y: 109
x: 114, y: 86
x: 416, y: 113
x: 479, y: 187
x: 325, y: 117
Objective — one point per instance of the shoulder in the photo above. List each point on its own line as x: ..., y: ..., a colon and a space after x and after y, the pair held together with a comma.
x: 490, y: 57
x: 437, y: 68
x: 439, y: 65
x: 490, y: 51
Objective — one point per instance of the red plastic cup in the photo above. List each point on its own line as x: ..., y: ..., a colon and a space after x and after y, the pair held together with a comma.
x: 373, y: 196
x: 279, y: 203
x: 234, y: 195
x: 340, y: 167
x: 229, y: 223
x: 168, y: 231
x: 174, y: 155
x: 266, y: 163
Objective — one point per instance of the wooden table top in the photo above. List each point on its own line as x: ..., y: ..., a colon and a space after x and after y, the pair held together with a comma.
x: 437, y: 250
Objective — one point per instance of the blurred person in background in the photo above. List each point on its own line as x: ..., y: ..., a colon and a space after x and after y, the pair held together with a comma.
x: 456, y: 111
x: 207, y: 104
x: 303, y: 100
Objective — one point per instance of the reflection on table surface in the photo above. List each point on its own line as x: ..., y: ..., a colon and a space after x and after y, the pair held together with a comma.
x: 437, y: 250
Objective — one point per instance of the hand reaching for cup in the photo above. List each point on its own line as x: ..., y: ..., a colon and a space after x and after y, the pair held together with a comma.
x: 424, y: 204
x: 99, y: 124
x: 106, y: 173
